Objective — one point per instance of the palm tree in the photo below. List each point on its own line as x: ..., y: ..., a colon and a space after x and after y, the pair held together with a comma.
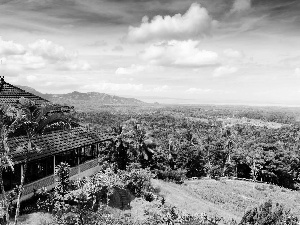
x: 32, y: 120
x: 5, y: 160
x: 140, y: 142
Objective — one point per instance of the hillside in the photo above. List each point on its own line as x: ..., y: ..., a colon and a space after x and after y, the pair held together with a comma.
x: 85, y: 101
x: 225, y: 198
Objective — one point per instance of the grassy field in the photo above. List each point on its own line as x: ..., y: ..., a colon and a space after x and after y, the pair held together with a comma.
x: 225, y: 198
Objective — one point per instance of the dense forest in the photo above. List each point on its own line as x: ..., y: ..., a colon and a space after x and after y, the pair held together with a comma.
x: 255, y: 143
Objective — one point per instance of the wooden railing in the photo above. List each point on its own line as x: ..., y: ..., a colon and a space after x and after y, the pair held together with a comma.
x: 88, y: 165
x: 44, y: 182
x: 50, y: 180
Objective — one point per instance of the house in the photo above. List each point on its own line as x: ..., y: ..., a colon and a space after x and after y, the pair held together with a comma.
x: 78, y: 146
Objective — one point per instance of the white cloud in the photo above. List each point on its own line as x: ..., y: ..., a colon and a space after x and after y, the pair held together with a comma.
x: 224, y: 70
x: 9, y: 71
x: 241, y: 6
x: 113, y: 87
x: 50, y: 51
x: 133, y: 69
x: 163, y: 88
x: 28, y: 61
x: 197, y: 90
x: 118, y: 48
x: 297, y: 72
x: 39, y: 55
x: 31, y: 78
x: 76, y: 65
x: 195, y: 23
x: 8, y: 48
x: 179, y: 53
x: 56, y: 54
x: 232, y: 53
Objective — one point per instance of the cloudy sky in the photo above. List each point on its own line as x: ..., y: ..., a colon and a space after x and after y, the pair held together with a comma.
x: 170, y: 51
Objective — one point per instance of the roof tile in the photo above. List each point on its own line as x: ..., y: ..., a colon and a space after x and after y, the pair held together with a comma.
x: 55, y: 142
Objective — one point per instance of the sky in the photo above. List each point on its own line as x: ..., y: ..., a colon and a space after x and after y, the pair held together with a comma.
x: 167, y: 51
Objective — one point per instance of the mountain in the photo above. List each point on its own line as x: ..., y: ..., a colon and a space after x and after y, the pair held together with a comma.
x: 85, y: 101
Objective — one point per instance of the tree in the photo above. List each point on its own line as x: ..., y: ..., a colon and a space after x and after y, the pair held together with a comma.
x: 32, y: 120
x: 138, y: 141
x: 5, y: 161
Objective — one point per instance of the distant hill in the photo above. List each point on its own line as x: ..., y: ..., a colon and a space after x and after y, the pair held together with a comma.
x: 85, y: 101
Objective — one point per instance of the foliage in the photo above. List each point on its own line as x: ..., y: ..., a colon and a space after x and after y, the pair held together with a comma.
x: 62, y: 172
x: 269, y: 213
x: 6, y: 119
x: 137, y: 180
x: 176, y: 176
x: 80, y: 201
x: 166, y: 214
x: 204, y: 141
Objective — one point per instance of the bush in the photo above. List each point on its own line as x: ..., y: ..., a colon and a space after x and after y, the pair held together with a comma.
x: 164, y: 214
x: 269, y: 213
x: 177, y: 176
x: 137, y: 181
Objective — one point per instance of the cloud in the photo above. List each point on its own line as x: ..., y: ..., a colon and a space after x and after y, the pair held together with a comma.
x: 230, y: 53
x: 113, y: 87
x: 163, y: 88
x: 8, y: 48
x: 197, y: 90
x: 118, y: 48
x: 133, y: 69
x: 224, y: 70
x: 297, y: 72
x: 57, y: 54
x: 195, y: 23
x: 98, y: 43
x: 9, y: 71
x: 76, y: 65
x: 50, y: 51
x: 291, y: 61
x: 179, y: 54
x: 39, y: 55
x: 241, y: 6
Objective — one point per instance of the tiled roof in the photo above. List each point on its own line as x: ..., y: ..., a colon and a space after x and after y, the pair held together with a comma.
x: 10, y: 94
x: 55, y: 142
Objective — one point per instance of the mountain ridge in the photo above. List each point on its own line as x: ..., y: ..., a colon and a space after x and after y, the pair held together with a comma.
x: 84, y: 100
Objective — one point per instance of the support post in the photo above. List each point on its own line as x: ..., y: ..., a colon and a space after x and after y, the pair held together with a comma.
x: 54, y: 164
x: 22, y: 169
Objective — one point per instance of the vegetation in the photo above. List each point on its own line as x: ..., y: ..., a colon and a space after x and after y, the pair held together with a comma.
x: 168, y: 143
x: 269, y: 213
x: 5, y: 161
x: 205, y: 143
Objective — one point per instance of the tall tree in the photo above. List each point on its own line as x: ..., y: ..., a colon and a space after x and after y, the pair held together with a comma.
x: 6, y: 118
x: 140, y: 142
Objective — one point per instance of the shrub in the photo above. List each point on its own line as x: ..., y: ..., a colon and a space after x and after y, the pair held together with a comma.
x: 137, y: 181
x: 165, y: 214
x: 269, y: 213
x: 177, y: 176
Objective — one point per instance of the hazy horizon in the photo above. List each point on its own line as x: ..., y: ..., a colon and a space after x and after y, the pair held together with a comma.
x: 233, y: 52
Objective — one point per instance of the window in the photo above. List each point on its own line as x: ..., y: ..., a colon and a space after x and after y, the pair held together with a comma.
x: 39, y: 169
x: 12, y: 178
x: 70, y: 157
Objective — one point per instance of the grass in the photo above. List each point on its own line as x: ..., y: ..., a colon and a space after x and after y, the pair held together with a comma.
x: 225, y: 198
